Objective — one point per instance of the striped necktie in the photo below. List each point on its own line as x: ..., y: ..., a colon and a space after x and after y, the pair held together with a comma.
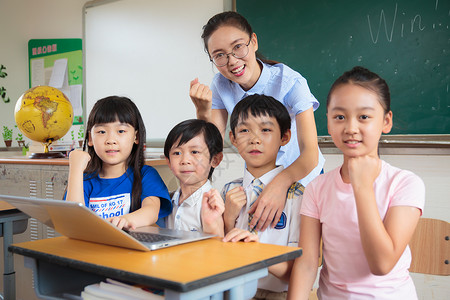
x: 256, y: 191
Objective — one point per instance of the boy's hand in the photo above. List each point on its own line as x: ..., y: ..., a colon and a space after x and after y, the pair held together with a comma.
x: 212, y: 206
x: 237, y: 234
x: 235, y: 199
x: 268, y: 207
x: 79, y: 158
x: 121, y: 223
x: 201, y: 96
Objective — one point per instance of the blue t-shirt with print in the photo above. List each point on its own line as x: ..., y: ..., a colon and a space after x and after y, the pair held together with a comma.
x: 110, y: 197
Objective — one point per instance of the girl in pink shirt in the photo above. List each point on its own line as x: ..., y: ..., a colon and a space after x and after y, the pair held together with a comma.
x: 365, y: 211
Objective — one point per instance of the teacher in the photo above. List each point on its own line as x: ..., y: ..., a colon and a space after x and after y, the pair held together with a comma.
x: 232, y: 46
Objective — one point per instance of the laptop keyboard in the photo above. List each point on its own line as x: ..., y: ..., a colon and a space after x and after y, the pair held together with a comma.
x: 147, y: 237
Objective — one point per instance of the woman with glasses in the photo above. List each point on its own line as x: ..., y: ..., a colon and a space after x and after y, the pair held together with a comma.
x: 232, y: 47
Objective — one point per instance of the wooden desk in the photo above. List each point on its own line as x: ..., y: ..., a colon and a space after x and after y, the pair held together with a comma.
x: 190, y: 271
x: 47, y: 179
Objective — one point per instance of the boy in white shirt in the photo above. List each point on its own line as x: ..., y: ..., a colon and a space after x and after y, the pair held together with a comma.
x: 193, y: 149
x: 260, y: 125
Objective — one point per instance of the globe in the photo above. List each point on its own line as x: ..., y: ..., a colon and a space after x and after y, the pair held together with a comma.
x: 43, y: 114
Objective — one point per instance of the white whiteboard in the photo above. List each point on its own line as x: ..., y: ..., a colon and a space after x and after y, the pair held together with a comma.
x: 148, y: 51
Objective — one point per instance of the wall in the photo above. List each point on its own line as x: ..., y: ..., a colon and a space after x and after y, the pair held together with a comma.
x: 132, y: 49
x: 20, y: 21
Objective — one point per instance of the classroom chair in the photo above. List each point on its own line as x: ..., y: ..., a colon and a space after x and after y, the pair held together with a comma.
x: 430, y: 247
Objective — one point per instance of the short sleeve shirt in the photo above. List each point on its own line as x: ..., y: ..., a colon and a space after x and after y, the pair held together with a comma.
x: 109, y: 197
x: 187, y: 215
x: 286, y: 86
x: 345, y: 273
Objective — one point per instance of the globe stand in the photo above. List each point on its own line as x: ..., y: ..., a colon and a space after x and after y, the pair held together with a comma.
x: 46, y: 154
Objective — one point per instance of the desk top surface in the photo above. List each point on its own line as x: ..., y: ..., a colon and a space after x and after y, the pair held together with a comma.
x: 181, y: 268
x: 5, y: 206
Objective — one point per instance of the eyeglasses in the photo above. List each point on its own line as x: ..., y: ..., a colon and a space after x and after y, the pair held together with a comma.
x: 239, y: 51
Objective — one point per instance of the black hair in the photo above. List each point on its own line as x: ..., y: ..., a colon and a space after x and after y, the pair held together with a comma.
x: 187, y: 130
x: 122, y: 109
x: 230, y: 18
x: 261, y: 105
x: 367, y: 79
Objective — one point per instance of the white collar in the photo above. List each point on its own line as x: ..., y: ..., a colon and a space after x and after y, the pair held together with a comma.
x: 265, y: 179
x: 194, y: 197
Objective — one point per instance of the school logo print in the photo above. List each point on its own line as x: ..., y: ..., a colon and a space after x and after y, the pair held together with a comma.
x: 282, y: 222
x: 111, y: 206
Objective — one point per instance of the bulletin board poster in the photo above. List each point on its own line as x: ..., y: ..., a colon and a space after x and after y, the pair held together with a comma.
x: 58, y: 63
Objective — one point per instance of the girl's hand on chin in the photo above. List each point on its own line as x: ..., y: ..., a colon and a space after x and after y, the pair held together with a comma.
x: 363, y: 170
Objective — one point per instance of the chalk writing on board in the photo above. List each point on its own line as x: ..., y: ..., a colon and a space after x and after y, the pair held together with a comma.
x: 416, y: 22
x: 417, y: 18
x: 383, y: 20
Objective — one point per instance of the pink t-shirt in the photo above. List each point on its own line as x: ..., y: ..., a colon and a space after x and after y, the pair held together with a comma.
x: 345, y: 273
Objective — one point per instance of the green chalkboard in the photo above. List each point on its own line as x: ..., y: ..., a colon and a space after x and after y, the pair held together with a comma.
x: 407, y: 42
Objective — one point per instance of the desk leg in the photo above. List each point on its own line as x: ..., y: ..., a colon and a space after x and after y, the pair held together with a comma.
x: 237, y: 292
x: 218, y: 296
x: 240, y: 287
x: 9, y: 276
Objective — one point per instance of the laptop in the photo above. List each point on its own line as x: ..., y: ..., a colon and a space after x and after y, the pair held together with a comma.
x: 74, y: 220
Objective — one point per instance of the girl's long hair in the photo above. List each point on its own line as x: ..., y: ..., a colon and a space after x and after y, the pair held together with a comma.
x: 122, y: 109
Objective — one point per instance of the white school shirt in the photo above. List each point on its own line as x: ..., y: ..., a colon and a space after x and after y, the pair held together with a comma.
x: 286, y: 234
x: 187, y: 216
